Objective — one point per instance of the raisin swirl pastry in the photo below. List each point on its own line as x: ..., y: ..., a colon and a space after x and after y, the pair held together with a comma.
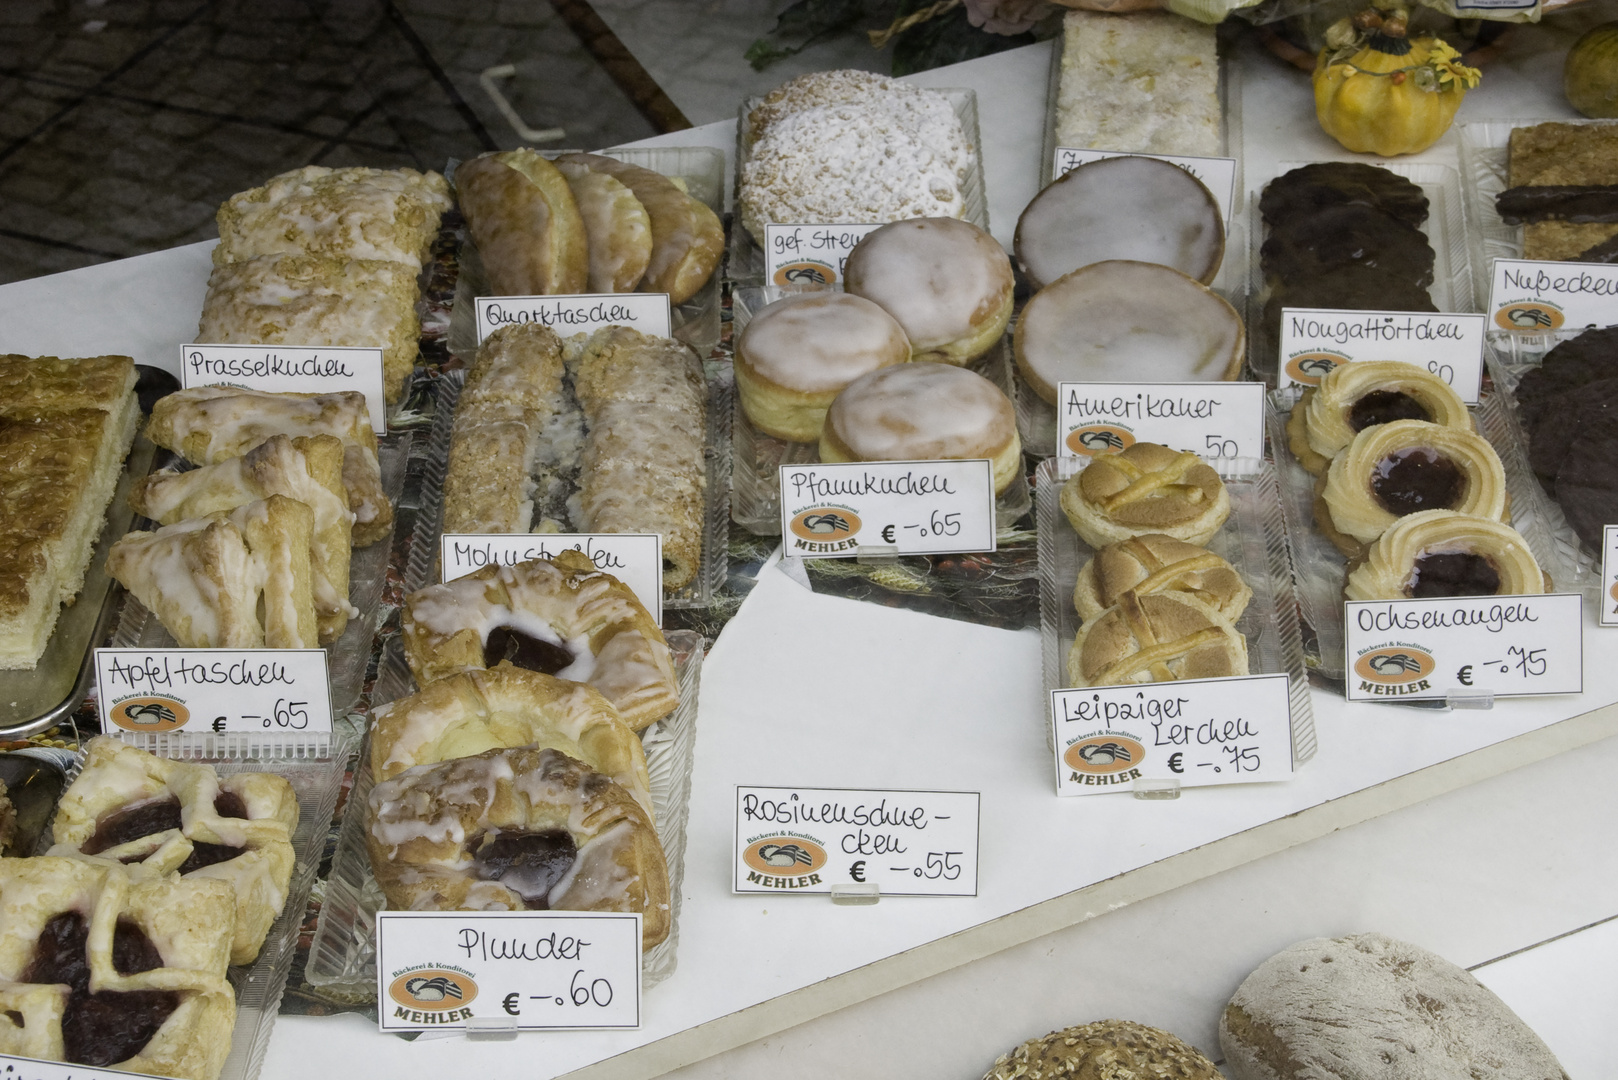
x: 514, y: 830
x: 1353, y: 397
x: 98, y: 968
x: 1155, y: 563
x: 1443, y: 553
x: 1404, y: 467
x: 1155, y: 637
x: 162, y: 817
x: 1146, y: 488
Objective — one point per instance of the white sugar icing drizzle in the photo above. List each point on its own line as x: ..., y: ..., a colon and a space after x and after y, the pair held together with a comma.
x: 936, y: 276
x: 922, y: 411
x: 818, y: 342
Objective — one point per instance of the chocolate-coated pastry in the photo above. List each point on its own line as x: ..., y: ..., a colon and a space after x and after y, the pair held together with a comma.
x: 1156, y: 637
x: 1104, y: 1050
x: 1157, y: 563
x: 1587, y: 482
x: 1307, y: 190
x: 1146, y: 488
x: 1342, y: 236
x: 1442, y: 553
x: 1355, y: 287
x: 1558, y: 202
x: 1565, y: 422
x: 1591, y: 356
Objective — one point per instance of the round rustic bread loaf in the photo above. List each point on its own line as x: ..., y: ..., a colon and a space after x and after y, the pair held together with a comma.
x: 1104, y: 1050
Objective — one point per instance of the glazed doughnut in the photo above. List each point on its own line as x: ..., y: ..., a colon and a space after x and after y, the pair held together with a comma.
x: 947, y: 282
x: 514, y: 830
x: 924, y: 412
x: 798, y: 354
x: 1146, y: 488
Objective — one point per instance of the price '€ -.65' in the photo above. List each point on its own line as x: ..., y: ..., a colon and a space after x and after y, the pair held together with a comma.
x: 834, y: 510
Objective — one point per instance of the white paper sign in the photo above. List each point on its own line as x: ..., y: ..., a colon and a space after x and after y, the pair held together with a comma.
x: 435, y: 970
x: 1197, y: 731
x: 21, y: 1068
x: 809, y: 254
x: 1539, y: 297
x: 1215, y: 420
x: 1609, y: 576
x: 919, y: 507
x: 1315, y: 340
x: 805, y: 840
x: 636, y: 559
x: 584, y: 313
x: 1218, y: 174
x: 294, y: 369
x: 227, y: 691
x: 1511, y: 646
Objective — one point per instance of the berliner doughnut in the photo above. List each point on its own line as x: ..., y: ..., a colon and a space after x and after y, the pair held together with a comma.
x: 799, y: 353
x: 514, y: 830
x: 947, y: 282
x: 1146, y: 488
x: 474, y: 711
x: 924, y: 412
x: 560, y: 617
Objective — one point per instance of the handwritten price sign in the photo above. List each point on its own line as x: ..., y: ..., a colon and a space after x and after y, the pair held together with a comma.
x: 1313, y: 341
x: 809, y: 254
x: 583, y: 313
x: 1217, y: 421
x: 224, y: 691
x: 831, y: 511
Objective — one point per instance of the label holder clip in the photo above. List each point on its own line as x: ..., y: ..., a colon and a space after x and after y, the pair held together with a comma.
x: 491, y: 1028
x: 1156, y: 789
x: 1469, y: 699
x: 856, y: 894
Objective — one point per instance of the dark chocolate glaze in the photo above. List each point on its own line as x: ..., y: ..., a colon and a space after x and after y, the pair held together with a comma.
x: 1604, y: 252
x: 1307, y: 190
x: 528, y: 863
x: 507, y: 643
x: 1582, y: 203
x: 1342, y: 236
x: 1384, y: 407
x: 1419, y: 478
x: 1587, y: 482
x: 1455, y: 573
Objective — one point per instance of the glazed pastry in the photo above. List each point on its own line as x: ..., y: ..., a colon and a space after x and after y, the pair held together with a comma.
x: 947, y: 282
x: 1137, y: 208
x: 643, y: 466
x: 307, y: 469
x: 241, y: 580
x: 527, y: 228
x: 798, y: 354
x: 160, y: 816
x: 1110, y: 1049
x: 1353, y: 397
x: 313, y: 300
x: 1146, y: 488
x: 1127, y: 321
x: 209, y: 424
x: 616, y: 227
x: 1154, y: 563
x: 514, y: 830
x: 924, y: 412
x: 558, y: 616
x: 687, y: 238
x: 100, y: 969
x: 1403, y: 467
x: 1156, y: 637
x: 1443, y: 553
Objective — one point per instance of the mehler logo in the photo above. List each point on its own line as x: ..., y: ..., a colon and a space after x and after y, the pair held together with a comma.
x: 1394, y: 665
x: 1092, y: 440
x: 433, y: 990
x: 805, y: 273
x: 1536, y: 315
x: 825, y: 523
x: 785, y: 856
x: 1104, y: 754
x: 150, y: 714
x: 1310, y: 367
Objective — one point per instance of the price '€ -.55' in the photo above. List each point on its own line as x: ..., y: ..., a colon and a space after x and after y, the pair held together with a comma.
x: 269, y: 692
x: 831, y: 511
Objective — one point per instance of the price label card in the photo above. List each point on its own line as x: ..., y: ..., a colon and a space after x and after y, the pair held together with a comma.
x: 21, y: 1068
x: 919, y: 507
x: 1199, y: 732
x: 296, y: 369
x: 226, y: 691
x: 1543, y: 296
x: 636, y: 559
x: 809, y: 254
x: 584, y: 313
x: 1609, y: 576
x: 1218, y: 174
x: 1216, y: 420
x: 544, y: 970
x: 1512, y: 646
x: 805, y: 840
x: 1315, y: 340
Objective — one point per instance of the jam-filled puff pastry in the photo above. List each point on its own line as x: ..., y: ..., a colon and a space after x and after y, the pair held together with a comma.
x: 1443, y: 553
x: 1353, y: 397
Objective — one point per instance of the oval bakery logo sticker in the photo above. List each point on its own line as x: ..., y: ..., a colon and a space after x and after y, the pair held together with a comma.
x: 805, y: 273
x: 825, y: 523
x: 1537, y: 315
x: 1310, y: 367
x: 433, y: 990
x: 1092, y: 440
x: 1394, y: 666
x: 150, y: 714
x: 1104, y: 754
x: 785, y: 856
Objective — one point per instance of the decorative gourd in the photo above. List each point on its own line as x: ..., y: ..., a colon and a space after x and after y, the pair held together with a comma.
x: 1590, y: 75
x: 1380, y: 92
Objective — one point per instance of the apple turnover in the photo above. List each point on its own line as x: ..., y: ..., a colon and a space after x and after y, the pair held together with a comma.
x: 1444, y: 553
x: 1146, y: 488
x: 1155, y: 637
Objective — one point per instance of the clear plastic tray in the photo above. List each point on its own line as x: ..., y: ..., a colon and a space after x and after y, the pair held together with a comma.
x: 746, y: 265
x: 1321, y: 567
x: 756, y: 458
x: 700, y: 170
x: 1451, y: 290
x: 422, y: 568
x: 347, y: 657
x: 342, y: 958
x: 1253, y: 541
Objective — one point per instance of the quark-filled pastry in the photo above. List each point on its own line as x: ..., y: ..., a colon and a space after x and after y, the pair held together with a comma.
x: 65, y: 427
x: 1341, y: 1006
x: 1578, y: 159
x: 1145, y: 488
x: 1155, y: 563
x: 617, y: 229
x: 559, y: 617
x: 1443, y: 553
x: 798, y: 354
x: 1353, y: 397
x: 209, y: 424
x: 103, y: 968
x: 1569, y: 410
x: 514, y: 830
x: 522, y: 216
x: 924, y: 412
x: 1137, y: 208
x: 1124, y: 321
x: 947, y: 282
x: 161, y: 817
x: 1146, y: 81
x: 1155, y: 637
x: 1110, y: 1049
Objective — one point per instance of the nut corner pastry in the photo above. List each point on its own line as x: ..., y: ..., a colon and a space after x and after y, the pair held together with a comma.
x: 1105, y: 1050
x: 1152, y: 563
x: 1146, y: 488
x: 1156, y: 637
x: 1444, y: 553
